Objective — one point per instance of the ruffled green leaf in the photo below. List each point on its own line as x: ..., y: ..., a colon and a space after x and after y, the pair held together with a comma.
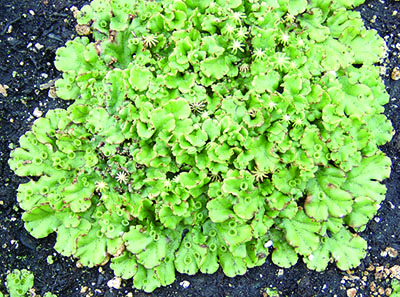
x: 326, y: 196
x: 197, y: 138
x: 366, y: 44
x: 179, y: 108
x: 168, y: 218
x: 66, y: 237
x: 215, y: 68
x: 166, y: 271
x: 301, y: 233
x: 314, y: 23
x: 230, y: 3
x: 140, y: 78
x: 364, y: 209
x: 266, y: 82
x: 346, y: 248
x: 234, y: 233
x: 41, y: 221
x: 190, y: 253
x: 69, y: 58
x: 220, y: 209
x: 231, y: 265
x: 284, y: 254
x: 91, y: 248
x: 146, y: 279
x: 125, y: 265
x: 297, y: 6
x: 364, y: 179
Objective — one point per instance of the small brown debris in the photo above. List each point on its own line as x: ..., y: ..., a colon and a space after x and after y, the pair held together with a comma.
x: 388, y: 291
x: 396, y: 73
x: 372, y: 287
x: 395, y: 272
x: 47, y: 85
x: 38, y: 46
x: 75, y: 11
x: 392, y: 252
x: 105, y: 261
x: 32, y: 292
x: 83, y: 29
x: 351, y: 292
x: 52, y: 89
x: 52, y: 92
x: 3, y: 90
x: 381, y: 272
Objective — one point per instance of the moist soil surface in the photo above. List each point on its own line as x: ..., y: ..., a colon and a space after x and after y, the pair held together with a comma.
x: 30, y: 33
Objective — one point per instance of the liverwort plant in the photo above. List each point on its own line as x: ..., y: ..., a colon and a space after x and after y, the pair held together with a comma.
x: 19, y: 283
x: 207, y: 134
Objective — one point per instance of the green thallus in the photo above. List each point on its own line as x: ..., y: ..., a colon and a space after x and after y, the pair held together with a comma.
x: 206, y: 134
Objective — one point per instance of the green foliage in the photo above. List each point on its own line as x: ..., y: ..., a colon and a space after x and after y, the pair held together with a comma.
x: 271, y: 292
x: 203, y: 132
x: 19, y: 283
x: 396, y: 288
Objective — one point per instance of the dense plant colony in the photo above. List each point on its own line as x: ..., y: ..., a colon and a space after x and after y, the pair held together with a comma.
x: 202, y: 133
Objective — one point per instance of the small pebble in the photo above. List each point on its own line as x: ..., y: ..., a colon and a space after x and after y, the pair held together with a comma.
x: 37, y: 113
x: 392, y: 252
x: 114, y: 283
x: 268, y: 244
x: 82, y: 29
x: 185, y: 284
x: 39, y: 46
x: 351, y: 292
x: 395, y: 272
x: 3, y: 90
x: 396, y: 73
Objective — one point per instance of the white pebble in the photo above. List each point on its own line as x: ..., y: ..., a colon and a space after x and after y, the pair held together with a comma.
x: 185, y: 284
x: 37, y: 113
x: 39, y: 46
x: 268, y: 244
x: 114, y: 283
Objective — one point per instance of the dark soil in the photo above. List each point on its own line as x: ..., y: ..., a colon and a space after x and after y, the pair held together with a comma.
x: 30, y: 33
